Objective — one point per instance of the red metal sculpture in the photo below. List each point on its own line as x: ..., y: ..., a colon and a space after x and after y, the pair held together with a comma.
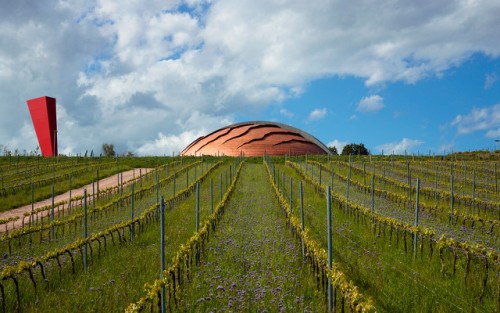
x: 43, y: 114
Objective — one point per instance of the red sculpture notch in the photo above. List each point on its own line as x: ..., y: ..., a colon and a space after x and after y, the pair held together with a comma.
x: 43, y: 114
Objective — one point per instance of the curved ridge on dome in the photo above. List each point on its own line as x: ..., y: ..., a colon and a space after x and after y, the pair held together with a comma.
x: 254, y: 138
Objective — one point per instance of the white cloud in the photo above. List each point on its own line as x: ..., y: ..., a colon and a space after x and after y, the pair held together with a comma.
x: 168, y: 144
x: 317, y: 114
x: 479, y: 119
x: 337, y: 144
x: 405, y: 145
x: 217, y: 58
x: 493, y: 133
x: 489, y: 80
x: 370, y: 104
x: 286, y: 113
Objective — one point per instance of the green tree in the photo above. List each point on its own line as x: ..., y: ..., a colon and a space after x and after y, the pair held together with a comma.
x: 108, y: 149
x: 333, y: 150
x: 355, y: 149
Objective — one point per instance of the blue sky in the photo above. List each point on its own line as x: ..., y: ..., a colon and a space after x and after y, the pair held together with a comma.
x: 395, y: 75
x: 422, y: 112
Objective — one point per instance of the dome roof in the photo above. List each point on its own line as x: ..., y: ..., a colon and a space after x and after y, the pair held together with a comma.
x: 254, y: 139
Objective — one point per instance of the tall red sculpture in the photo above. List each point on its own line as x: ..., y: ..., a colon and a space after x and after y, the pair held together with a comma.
x: 43, y: 114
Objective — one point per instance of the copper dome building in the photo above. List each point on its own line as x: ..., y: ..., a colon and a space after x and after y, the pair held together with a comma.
x: 255, y: 139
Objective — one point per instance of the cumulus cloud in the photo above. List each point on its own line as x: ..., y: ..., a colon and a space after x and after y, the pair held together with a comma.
x: 168, y: 144
x: 370, y: 104
x: 126, y: 71
x: 405, y: 145
x: 317, y: 114
x: 479, y: 119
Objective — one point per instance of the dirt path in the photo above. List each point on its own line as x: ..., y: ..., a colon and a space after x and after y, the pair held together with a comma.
x: 110, y: 181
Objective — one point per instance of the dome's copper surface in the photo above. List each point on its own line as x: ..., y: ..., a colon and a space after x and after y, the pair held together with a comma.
x: 255, y: 139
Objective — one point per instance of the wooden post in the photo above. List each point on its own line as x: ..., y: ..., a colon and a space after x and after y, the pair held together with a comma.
x: 197, y: 206
x: 302, y: 219
x: 274, y: 173
x: 97, y: 183
x: 435, y: 183
x: 211, y: 197
x: 306, y: 164
x: 348, y: 184
x: 465, y: 173
x: 409, y: 181
x: 329, y: 225
x: 175, y: 174
x: 452, y: 200
x: 32, y: 220
x: 52, y: 215
x: 373, y: 199
x: 93, y: 197
x: 291, y: 204
x: 283, y: 184
x: 496, y: 181
x: 162, y: 253
x: 70, y: 190
x: 416, y: 220
x: 332, y: 178
x: 85, y: 233
x: 364, y: 175
x: 473, y: 190
x: 157, y: 189
x: 132, y: 212
x: 278, y: 177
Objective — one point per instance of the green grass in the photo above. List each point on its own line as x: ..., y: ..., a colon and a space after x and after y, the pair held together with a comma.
x: 252, y: 263
x: 22, y: 249
x: 395, y: 281
x: 118, y: 276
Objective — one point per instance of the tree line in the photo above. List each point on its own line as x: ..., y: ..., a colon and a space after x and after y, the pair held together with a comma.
x: 352, y: 148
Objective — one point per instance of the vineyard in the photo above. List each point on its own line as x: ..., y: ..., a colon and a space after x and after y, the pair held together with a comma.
x: 269, y: 234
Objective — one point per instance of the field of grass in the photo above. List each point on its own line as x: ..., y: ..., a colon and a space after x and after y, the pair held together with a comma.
x: 253, y: 263
x: 259, y: 248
